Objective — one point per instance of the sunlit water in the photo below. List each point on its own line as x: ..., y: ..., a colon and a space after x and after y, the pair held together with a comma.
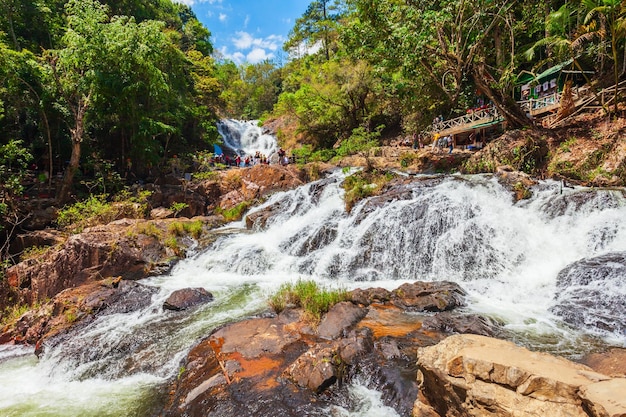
x: 245, y: 137
x: 464, y: 229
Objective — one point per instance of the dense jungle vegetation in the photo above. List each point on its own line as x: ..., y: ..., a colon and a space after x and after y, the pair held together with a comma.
x: 93, y: 89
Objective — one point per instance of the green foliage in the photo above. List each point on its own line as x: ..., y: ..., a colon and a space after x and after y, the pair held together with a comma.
x: 176, y: 228
x: 194, y: 228
x: 97, y: 210
x: 363, y: 184
x: 33, y: 252
x: 178, y: 206
x: 150, y: 229
x: 360, y: 141
x: 234, y: 213
x: 313, y: 298
x: 11, y: 314
x: 14, y: 159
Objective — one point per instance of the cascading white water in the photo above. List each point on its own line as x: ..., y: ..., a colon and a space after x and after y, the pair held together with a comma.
x: 245, y: 137
x: 466, y: 229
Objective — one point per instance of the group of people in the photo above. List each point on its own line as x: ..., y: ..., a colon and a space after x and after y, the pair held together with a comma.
x: 248, y: 160
x: 442, y: 142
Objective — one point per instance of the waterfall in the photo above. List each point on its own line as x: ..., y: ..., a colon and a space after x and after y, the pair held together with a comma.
x: 246, y: 137
x: 468, y: 229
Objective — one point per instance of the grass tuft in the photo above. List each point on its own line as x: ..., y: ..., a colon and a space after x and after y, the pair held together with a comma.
x: 314, y: 299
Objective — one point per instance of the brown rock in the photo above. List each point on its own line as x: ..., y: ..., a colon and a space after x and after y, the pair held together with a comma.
x: 474, y: 375
x: 611, y: 363
x: 428, y: 296
x: 370, y: 295
x: 187, y: 298
x: 317, y: 369
x: 339, y: 319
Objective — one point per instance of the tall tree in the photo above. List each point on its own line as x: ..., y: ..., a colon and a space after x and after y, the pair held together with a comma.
x: 316, y: 27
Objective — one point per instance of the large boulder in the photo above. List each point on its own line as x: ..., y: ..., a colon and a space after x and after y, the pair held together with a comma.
x: 187, y: 298
x: 428, y: 296
x: 471, y: 375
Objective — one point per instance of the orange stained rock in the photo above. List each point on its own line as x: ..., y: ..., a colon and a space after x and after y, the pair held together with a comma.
x: 258, y: 367
x: 388, y: 320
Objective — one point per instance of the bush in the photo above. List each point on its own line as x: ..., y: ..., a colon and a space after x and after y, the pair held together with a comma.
x: 308, y: 295
x: 97, y: 210
x: 362, y: 185
x: 234, y: 213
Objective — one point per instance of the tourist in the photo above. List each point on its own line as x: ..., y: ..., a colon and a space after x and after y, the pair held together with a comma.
x: 450, y: 145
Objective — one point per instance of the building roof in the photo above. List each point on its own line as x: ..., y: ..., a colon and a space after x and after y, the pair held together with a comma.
x: 526, y: 77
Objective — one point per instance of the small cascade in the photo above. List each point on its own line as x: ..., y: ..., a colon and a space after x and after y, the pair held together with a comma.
x: 522, y: 263
x: 245, y: 137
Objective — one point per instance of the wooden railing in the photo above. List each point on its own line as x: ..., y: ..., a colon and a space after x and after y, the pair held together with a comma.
x: 538, y: 105
x: 472, y: 118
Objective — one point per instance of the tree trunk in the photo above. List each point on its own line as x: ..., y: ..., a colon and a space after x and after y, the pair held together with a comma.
x: 504, y: 103
x: 77, y: 138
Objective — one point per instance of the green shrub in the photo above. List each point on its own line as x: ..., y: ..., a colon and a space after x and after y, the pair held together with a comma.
x: 149, y: 229
x: 176, y: 228
x: 94, y: 210
x: 33, y: 252
x: 363, y: 184
x: 234, y: 213
x: 314, y: 299
x: 205, y: 176
x: 177, y: 207
x: 193, y: 228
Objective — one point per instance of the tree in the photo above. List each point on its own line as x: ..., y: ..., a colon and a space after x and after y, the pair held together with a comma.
x: 14, y: 159
x: 607, y: 19
x: 451, y: 42
x: 74, y: 71
x: 318, y: 25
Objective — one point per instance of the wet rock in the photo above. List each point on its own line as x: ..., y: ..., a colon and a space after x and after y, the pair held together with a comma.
x: 451, y: 322
x: 187, y: 298
x: 341, y: 317
x: 612, y: 362
x: 370, y: 295
x: 591, y: 294
x: 428, y: 296
x: 317, y: 369
x: 474, y: 375
x: 74, y: 307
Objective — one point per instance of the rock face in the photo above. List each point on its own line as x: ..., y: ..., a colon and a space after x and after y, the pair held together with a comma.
x: 471, y: 375
x: 590, y: 293
x: 132, y: 249
x: 187, y: 298
x: 284, y: 365
x: 75, y: 306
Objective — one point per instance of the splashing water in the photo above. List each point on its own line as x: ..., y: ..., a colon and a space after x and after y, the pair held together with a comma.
x: 246, y: 137
x: 461, y: 228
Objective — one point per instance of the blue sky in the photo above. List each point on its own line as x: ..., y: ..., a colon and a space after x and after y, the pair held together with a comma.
x: 249, y: 30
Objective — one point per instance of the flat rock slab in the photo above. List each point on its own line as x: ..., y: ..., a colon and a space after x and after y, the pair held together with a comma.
x: 477, y: 374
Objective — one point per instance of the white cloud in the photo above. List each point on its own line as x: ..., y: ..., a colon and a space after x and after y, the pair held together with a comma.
x: 258, y: 55
x: 187, y: 2
x: 245, y: 41
x: 223, y: 17
x: 251, y: 49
